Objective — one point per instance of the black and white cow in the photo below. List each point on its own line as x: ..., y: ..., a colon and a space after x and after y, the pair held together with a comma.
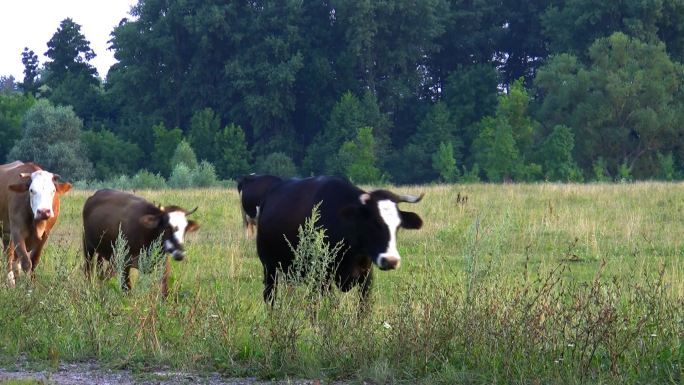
x: 366, y: 223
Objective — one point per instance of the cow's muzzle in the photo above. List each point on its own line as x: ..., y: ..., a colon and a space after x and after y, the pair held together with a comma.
x: 388, y: 262
x: 42, y: 214
x: 176, y: 250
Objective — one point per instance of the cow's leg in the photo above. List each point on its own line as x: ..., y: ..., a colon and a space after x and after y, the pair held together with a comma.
x: 11, y: 280
x: 270, y: 285
x: 126, y: 278
x: 165, y: 277
x: 365, y: 286
x: 35, y: 255
x: 88, y: 255
x: 20, y: 249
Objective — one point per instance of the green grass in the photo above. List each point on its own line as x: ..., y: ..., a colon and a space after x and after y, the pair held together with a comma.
x: 520, y: 284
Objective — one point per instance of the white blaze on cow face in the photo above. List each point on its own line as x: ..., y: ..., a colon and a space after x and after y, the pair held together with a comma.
x: 42, y: 192
x: 178, y: 223
x: 389, y: 213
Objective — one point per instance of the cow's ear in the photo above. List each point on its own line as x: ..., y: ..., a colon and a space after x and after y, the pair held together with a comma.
x: 62, y: 188
x: 192, y: 226
x: 150, y: 221
x: 19, y: 187
x: 410, y: 220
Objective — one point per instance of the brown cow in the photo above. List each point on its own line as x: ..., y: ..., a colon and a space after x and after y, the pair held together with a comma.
x: 141, y: 223
x: 29, y: 207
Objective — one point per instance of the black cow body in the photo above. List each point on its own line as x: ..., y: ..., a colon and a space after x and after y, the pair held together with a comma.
x: 252, y: 189
x: 347, y: 214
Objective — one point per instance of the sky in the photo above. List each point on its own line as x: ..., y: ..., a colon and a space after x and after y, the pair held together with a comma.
x: 32, y: 23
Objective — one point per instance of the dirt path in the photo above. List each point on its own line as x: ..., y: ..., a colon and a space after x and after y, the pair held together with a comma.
x: 90, y: 373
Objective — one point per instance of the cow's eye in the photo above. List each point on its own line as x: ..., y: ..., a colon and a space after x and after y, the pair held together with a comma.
x: 175, y: 228
x: 32, y: 191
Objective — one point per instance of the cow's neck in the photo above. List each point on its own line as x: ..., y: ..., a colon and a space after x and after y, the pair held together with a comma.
x: 40, y: 226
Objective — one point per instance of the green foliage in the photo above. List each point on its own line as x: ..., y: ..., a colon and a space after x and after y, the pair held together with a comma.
x: 204, y: 175
x: 233, y: 156
x: 556, y: 155
x: 144, y: 179
x: 181, y: 176
x: 31, y: 77
x: 204, y: 127
x: 666, y: 166
x: 166, y: 142
x: 184, y: 154
x: 443, y: 162
x: 504, y: 146
x: 110, y: 155
x: 12, y: 109
x: 52, y: 138
x: 278, y: 164
x: 347, y: 117
x: 623, y: 105
x: 600, y: 170
x: 472, y: 175
x: 358, y: 157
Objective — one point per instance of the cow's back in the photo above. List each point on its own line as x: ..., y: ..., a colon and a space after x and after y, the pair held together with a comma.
x: 289, y: 204
x: 108, y: 210
x: 253, y: 188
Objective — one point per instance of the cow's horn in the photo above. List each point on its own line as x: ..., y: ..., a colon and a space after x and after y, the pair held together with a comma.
x: 191, y: 211
x: 410, y: 198
x: 25, y: 174
x: 56, y: 176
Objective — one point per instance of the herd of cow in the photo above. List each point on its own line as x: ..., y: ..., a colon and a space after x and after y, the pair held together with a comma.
x: 365, y: 222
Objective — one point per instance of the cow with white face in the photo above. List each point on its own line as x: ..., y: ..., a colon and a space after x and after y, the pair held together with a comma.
x: 109, y: 212
x: 366, y: 223
x: 29, y: 207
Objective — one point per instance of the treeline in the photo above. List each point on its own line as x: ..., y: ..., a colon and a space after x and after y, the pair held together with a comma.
x: 388, y: 90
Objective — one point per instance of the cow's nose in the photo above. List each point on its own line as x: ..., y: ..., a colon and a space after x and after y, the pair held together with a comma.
x: 178, y: 255
x: 43, y: 213
x: 388, y: 262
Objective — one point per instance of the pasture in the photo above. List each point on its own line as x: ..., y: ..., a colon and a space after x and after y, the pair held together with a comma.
x: 514, y: 284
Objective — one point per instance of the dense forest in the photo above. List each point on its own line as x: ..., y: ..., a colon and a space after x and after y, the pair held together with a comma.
x: 398, y: 91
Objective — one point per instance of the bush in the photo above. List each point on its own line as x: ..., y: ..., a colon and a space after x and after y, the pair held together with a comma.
x: 184, y: 154
x: 147, y: 180
x: 277, y: 164
x: 181, y: 176
x: 204, y: 175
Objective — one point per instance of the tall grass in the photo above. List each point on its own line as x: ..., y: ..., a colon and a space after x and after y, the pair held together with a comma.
x: 515, y: 284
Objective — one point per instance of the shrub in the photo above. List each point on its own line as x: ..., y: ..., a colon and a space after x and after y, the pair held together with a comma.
x: 147, y: 180
x: 278, y: 164
x: 181, y: 176
x: 204, y: 175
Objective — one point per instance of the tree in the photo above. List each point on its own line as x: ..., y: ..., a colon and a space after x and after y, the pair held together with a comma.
x: 504, y: 147
x: 52, y: 138
x: 185, y: 155
x: 71, y: 79
x: 30, y: 61
x: 165, y: 143
x: 13, y: 107
x: 443, y: 162
x: 110, y: 155
x: 625, y: 105
x: 233, y: 156
x: 204, y: 126
x: 358, y: 157
x: 435, y: 128
x: 278, y: 164
x: 556, y: 156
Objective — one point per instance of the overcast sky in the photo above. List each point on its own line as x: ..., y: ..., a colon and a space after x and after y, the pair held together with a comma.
x: 31, y: 23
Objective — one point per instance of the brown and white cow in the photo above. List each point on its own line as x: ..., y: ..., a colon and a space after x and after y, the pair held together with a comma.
x: 29, y: 207
x: 140, y: 222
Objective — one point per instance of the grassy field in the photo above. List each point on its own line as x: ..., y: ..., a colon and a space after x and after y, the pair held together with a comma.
x: 513, y: 284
